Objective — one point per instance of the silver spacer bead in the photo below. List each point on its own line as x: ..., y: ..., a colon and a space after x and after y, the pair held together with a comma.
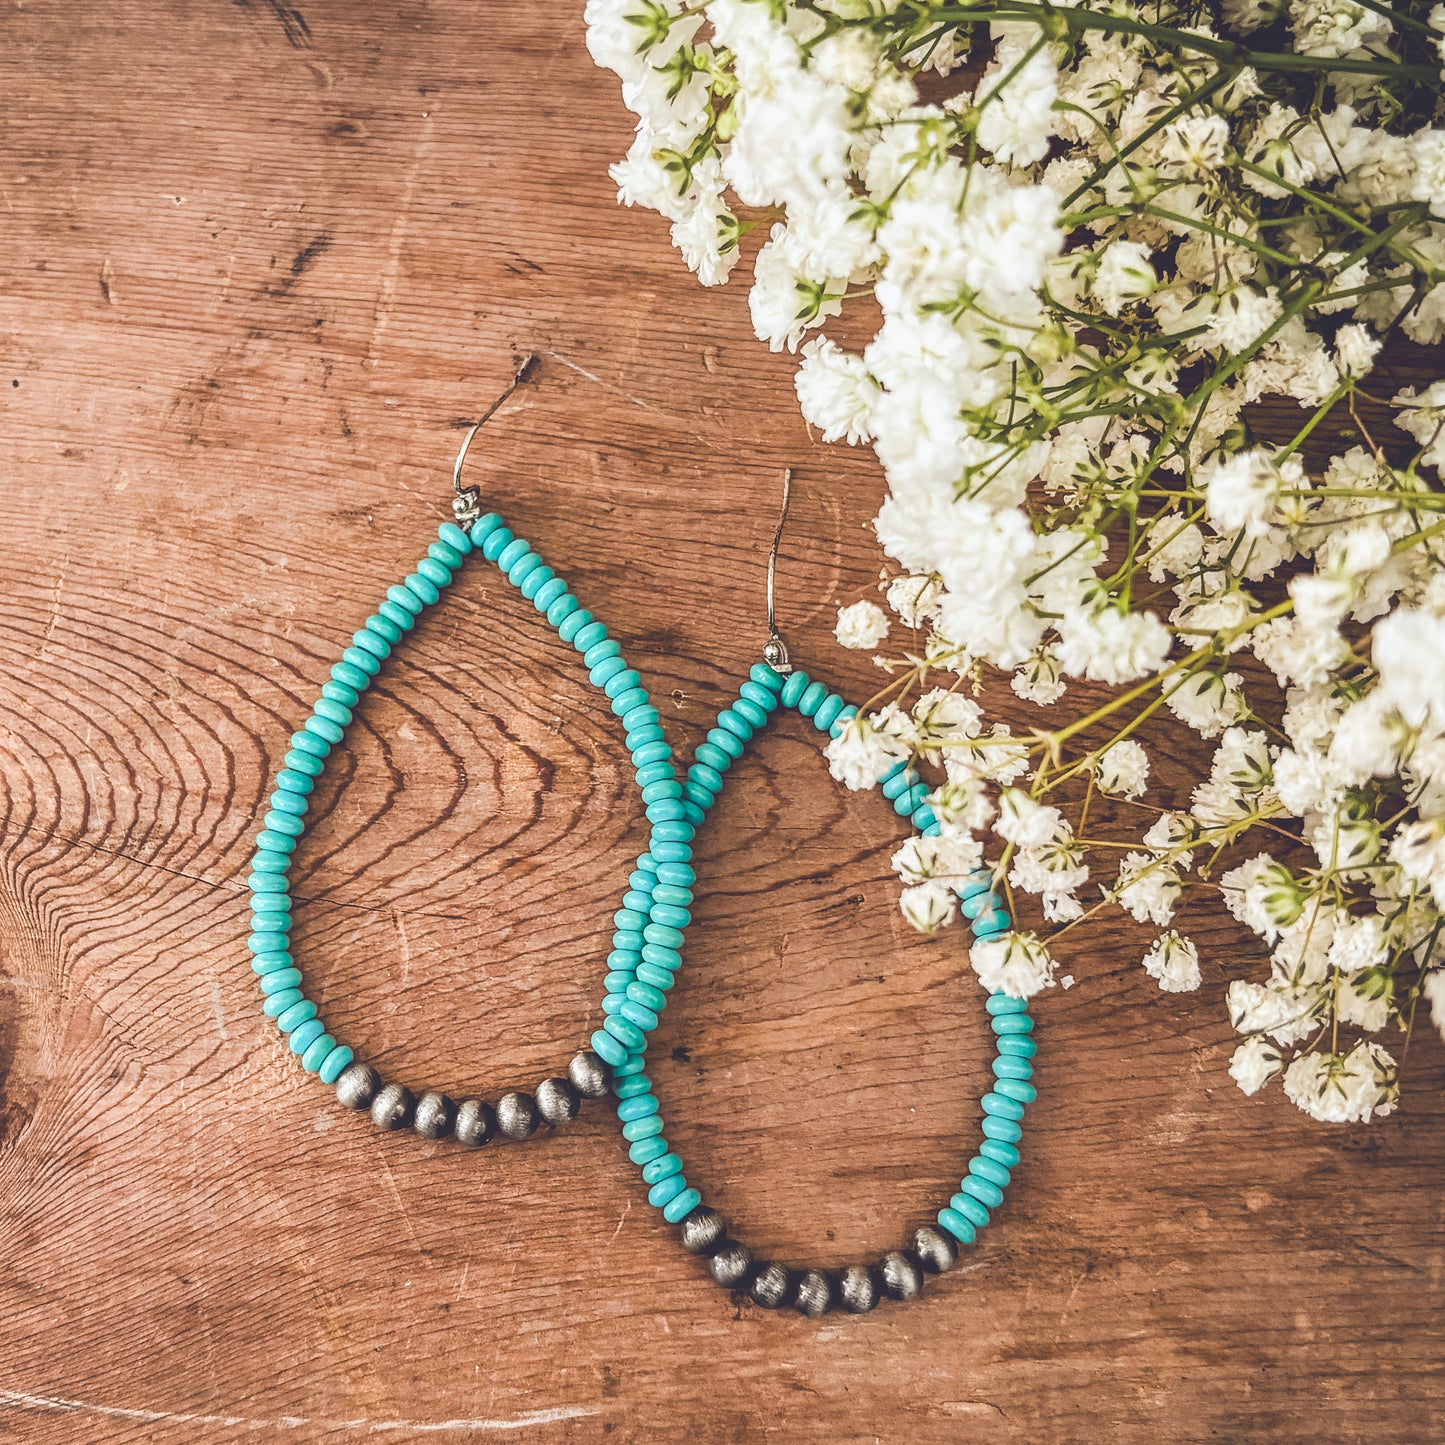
x: 476, y: 1122
x: 392, y: 1106
x: 467, y: 506
x: 434, y: 1116
x: 517, y: 1115
x: 772, y: 1285
x: 815, y: 1294
x: 902, y: 1278
x: 356, y: 1086
x: 557, y: 1101
x: 589, y: 1075
x: 936, y: 1252
x: 775, y: 654
x: 857, y: 1289
x: 730, y: 1265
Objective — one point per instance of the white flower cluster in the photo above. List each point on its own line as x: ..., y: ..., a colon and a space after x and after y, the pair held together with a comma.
x: 1109, y: 231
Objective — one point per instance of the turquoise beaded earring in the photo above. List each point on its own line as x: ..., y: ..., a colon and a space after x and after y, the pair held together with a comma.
x: 652, y: 928
x: 433, y: 1115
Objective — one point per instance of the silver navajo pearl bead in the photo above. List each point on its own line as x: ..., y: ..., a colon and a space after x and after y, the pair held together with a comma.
x: 771, y: 1285
x: 476, y: 1122
x: 936, y: 1252
x: 902, y: 1278
x: 392, y: 1106
x: 703, y: 1230
x: 815, y: 1294
x: 434, y: 1116
x: 589, y: 1075
x: 517, y: 1115
x: 857, y: 1289
x: 730, y: 1265
x: 557, y: 1101
x: 357, y: 1085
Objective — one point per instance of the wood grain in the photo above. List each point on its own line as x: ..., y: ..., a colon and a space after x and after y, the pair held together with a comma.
x: 261, y: 262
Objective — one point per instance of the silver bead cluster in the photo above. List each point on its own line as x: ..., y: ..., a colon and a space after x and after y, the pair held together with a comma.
x: 473, y: 1121
x: 857, y: 1288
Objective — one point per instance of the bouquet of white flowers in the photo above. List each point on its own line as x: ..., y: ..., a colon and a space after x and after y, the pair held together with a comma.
x: 1094, y: 235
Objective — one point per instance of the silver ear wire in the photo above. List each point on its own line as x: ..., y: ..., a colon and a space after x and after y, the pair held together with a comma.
x: 468, y: 501
x: 775, y: 650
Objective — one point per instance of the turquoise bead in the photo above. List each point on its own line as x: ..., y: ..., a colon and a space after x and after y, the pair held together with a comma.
x: 811, y: 699
x: 694, y: 792
x: 1018, y: 1045
x: 651, y: 752
x: 794, y: 686
x: 629, y: 701
x: 316, y: 1053
x: 302, y: 762
x: 562, y: 608
x: 267, y: 942
x: 352, y: 676
x: 1000, y: 1151
x: 639, y: 1107
x: 600, y: 651
x: 324, y: 728
x: 681, y: 1205
x: 827, y: 712
x: 755, y: 716
x: 279, y: 979
x: 1004, y: 1129
x: 529, y: 574
x: 572, y: 624
x: 615, y: 981
x: 385, y: 628
x: 335, y: 1064
x: 634, y: 1013
x: 763, y: 675
x: 644, y: 715
x: 266, y: 861
x: 306, y: 742
x: 1009, y: 1068
x: 666, y: 851
x: 667, y: 893
x: 629, y: 920
x: 977, y: 903
x: 446, y: 554
x: 283, y: 823
x: 662, y: 791
x: 1017, y: 1089
x: 981, y: 1189
x: 631, y: 1085
x: 648, y: 733
x: 632, y: 1064
x: 898, y: 783
x: 271, y: 962
x: 667, y: 937
x: 547, y: 593
x: 972, y: 1208
x: 925, y: 819
x: 484, y: 526
x: 1013, y: 1023
x: 294, y: 782
x: 763, y: 697
x: 636, y: 902
x: 1003, y: 1003
x: 265, y: 883
x: 621, y: 682
x: 982, y: 1167
x: 664, y: 1166
x: 610, y: 1050
x: 339, y: 692
x: 421, y: 587
x: 1000, y: 1106
x: 497, y: 540
x: 991, y: 924
x: 730, y: 720
x: 655, y: 773
x: 670, y: 915
x: 959, y: 1227
x: 678, y: 831
x: 710, y: 756
x: 454, y: 537
x: 372, y: 642
x: 725, y: 741
x: 399, y: 617
x: 270, y: 842
x: 837, y: 727
x: 292, y: 803
x: 643, y: 993
x: 511, y: 553
x: 666, y: 1190
x: 606, y: 670
x: 680, y: 873
x: 646, y: 1128
x: 305, y: 1035
x: 589, y: 636
x: 277, y: 1003
x: 627, y: 1034
x: 661, y: 956
x: 295, y: 1016
x: 405, y: 599
x: 644, y: 1151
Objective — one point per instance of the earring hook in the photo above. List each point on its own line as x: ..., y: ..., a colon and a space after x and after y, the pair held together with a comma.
x: 775, y: 650
x: 468, y: 501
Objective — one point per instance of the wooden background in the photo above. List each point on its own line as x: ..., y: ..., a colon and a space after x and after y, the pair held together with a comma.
x: 258, y: 266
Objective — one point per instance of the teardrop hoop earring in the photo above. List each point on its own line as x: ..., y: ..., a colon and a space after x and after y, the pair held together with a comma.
x: 433, y: 1115
x: 637, y: 993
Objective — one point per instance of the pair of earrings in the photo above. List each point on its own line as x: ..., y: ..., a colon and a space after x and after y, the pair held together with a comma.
x: 650, y: 925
